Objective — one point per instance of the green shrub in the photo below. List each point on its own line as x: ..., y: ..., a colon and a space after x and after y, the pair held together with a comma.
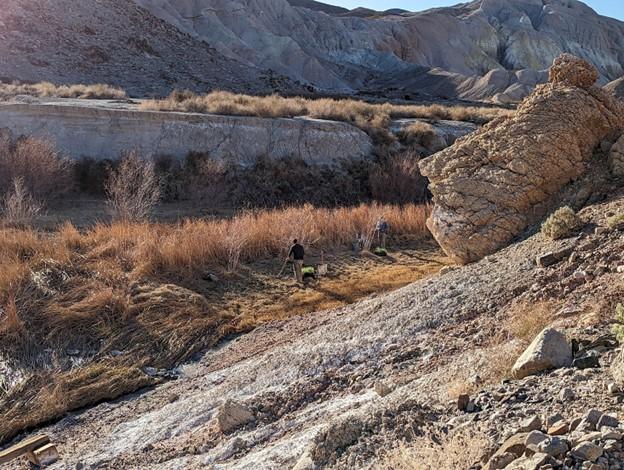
x: 562, y: 223
x: 618, y: 328
x: 616, y: 221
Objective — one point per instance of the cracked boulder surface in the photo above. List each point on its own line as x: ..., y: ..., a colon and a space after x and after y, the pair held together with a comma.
x: 491, y: 185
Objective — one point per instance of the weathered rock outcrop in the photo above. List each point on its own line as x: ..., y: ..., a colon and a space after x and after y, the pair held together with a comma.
x: 494, y: 183
x: 103, y: 130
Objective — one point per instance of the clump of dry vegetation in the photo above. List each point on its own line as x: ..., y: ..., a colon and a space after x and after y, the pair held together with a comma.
x: 462, y: 448
x: 44, y: 172
x: 372, y: 118
x: 50, y: 90
x: 418, y: 133
x: 133, y: 189
x: 19, y: 208
x: 615, y: 222
x: 562, y: 223
x: 396, y: 178
x: 132, y: 287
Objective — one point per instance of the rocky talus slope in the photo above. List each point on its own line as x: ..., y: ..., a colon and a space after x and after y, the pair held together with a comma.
x: 484, y: 49
x: 493, y: 184
x: 343, y: 388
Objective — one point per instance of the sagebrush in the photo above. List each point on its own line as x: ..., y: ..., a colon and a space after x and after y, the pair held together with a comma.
x: 563, y: 223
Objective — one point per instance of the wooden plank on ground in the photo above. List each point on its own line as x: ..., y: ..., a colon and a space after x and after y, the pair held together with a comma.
x: 24, y: 447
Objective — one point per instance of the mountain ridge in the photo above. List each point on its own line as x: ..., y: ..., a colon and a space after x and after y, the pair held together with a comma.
x: 494, y: 50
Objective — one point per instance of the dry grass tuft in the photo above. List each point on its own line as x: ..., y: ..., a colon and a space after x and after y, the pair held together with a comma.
x: 527, y: 321
x: 50, y: 90
x: 458, y: 449
x: 418, y: 133
x: 372, y: 118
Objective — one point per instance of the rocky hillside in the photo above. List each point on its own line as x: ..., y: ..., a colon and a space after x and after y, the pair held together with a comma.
x: 111, y: 41
x: 345, y: 388
x: 486, y: 49
x: 508, y: 362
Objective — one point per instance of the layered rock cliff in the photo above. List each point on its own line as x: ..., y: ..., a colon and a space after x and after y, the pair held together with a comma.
x: 103, y: 130
x: 491, y: 185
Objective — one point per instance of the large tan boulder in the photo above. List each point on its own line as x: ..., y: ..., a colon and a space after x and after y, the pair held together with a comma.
x: 491, y: 185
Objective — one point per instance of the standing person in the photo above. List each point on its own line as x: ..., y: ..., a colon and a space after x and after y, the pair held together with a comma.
x: 382, y: 230
x: 296, y: 254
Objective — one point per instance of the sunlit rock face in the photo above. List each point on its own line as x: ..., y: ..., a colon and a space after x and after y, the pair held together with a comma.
x: 492, y: 184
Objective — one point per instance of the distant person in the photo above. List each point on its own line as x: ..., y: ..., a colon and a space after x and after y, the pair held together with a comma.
x: 382, y: 228
x: 296, y: 254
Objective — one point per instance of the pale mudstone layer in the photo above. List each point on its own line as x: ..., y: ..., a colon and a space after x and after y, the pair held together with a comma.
x: 99, y: 131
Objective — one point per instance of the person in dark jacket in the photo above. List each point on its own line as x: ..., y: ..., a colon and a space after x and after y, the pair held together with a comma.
x: 296, y: 254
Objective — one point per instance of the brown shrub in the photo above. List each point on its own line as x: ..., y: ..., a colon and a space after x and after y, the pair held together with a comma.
x: 397, y: 179
x: 44, y: 172
x: 133, y: 189
x: 19, y: 208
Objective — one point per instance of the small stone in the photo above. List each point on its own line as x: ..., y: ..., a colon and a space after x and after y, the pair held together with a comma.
x: 611, y: 433
x: 559, y: 429
x: 500, y: 461
x: 532, y: 462
x: 514, y: 445
x: 547, y: 259
x: 613, y: 388
x: 73, y: 352
x: 601, y: 230
x: 552, y: 419
x: 566, y: 394
x: 45, y: 455
x: 462, y: 402
x: 471, y: 407
x: 587, y: 451
x: 534, y: 423
x: 533, y: 439
x: 232, y: 415
x: 549, y: 350
x: 593, y: 416
x: 382, y: 389
x: 607, y: 421
x: 575, y: 423
x: 586, y: 362
x: 553, y: 446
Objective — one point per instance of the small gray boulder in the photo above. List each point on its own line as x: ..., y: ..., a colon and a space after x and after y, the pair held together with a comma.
x: 549, y: 350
